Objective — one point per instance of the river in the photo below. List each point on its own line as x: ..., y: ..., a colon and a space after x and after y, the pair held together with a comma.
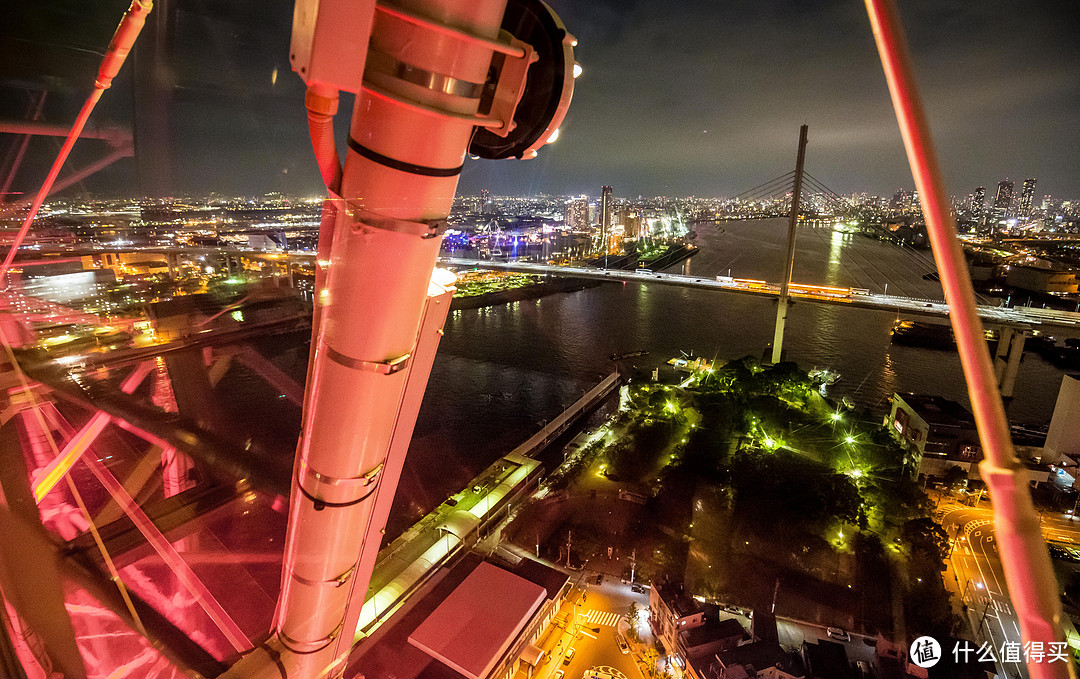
x: 502, y: 371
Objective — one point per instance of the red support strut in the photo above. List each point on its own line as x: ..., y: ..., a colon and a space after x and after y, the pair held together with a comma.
x: 1028, y: 572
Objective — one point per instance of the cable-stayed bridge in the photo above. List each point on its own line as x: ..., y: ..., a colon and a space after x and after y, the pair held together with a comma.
x: 853, y: 297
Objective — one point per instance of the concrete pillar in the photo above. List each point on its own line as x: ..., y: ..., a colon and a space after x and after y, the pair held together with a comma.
x: 1010, y: 350
x: 1001, y: 356
x: 1016, y: 352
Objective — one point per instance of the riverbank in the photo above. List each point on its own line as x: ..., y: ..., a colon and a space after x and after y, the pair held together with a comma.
x: 534, y: 291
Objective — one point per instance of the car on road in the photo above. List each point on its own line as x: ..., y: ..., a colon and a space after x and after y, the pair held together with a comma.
x: 569, y: 655
x: 560, y: 674
x: 621, y: 643
x: 838, y: 633
x: 599, y: 578
x: 636, y: 588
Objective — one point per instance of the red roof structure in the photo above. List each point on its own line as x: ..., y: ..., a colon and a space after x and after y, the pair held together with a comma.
x: 473, y: 627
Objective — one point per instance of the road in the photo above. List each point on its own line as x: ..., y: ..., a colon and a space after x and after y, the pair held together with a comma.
x: 603, y: 611
x: 596, y: 614
x: 975, y: 568
x: 792, y: 633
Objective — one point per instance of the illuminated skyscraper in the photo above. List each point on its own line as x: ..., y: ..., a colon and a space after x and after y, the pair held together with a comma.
x: 978, y: 203
x: 607, y: 207
x: 1002, y: 200
x: 607, y: 210
x: 577, y: 213
x: 1027, y: 197
x: 630, y: 218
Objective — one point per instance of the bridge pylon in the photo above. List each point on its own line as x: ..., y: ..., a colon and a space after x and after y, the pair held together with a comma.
x: 1010, y: 350
x: 793, y: 222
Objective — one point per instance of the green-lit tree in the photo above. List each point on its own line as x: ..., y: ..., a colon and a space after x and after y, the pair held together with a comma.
x: 632, y: 617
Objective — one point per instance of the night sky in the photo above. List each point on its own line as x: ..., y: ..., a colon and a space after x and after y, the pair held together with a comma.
x: 690, y: 98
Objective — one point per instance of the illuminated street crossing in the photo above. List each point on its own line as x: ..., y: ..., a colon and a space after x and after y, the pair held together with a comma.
x: 603, y: 618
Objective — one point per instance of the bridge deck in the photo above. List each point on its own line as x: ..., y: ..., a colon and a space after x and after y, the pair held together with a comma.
x: 1031, y: 317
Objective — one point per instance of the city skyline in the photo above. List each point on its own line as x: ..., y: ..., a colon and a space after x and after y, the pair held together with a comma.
x: 706, y: 101
x: 408, y: 418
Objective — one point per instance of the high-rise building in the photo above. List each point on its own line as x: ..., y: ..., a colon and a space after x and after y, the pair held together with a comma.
x: 630, y: 218
x: 1003, y: 199
x: 978, y: 203
x: 577, y: 213
x: 898, y: 200
x: 1027, y: 196
x: 607, y: 210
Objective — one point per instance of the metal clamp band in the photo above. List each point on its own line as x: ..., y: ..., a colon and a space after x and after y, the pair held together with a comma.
x: 311, y: 485
x: 311, y: 478
x: 476, y: 120
x: 443, y: 29
x: 401, y: 165
x: 308, y: 647
x: 336, y: 582
x: 385, y: 64
x: 381, y: 367
x: 426, y: 229
x: 321, y: 504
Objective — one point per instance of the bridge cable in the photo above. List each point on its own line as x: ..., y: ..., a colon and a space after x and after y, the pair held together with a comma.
x: 782, y: 178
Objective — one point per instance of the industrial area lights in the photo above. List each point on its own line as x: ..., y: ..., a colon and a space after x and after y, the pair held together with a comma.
x: 432, y: 81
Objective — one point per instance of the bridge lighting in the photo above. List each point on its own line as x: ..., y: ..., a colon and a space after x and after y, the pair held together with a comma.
x: 577, y: 69
x: 554, y: 136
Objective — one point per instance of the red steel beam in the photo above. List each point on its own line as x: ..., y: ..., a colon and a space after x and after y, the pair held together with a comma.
x: 50, y: 475
x: 122, y: 42
x: 1024, y: 556
x: 113, y: 135
x: 191, y: 582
